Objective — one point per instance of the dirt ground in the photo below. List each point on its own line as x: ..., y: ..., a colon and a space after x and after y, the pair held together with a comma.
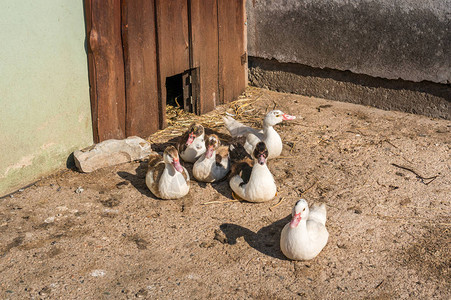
x: 389, y: 224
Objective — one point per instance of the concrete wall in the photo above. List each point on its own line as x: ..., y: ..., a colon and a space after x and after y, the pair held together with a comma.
x: 404, y: 39
x: 44, y: 89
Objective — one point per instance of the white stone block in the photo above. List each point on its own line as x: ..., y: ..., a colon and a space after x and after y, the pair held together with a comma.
x: 111, y: 152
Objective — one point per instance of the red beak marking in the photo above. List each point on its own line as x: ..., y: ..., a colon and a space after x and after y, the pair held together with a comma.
x: 177, y: 165
x: 191, y: 138
x: 295, y: 220
x: 210, y: 151
x: 286, y: 117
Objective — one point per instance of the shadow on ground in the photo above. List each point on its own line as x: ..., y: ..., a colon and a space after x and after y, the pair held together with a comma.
x: 266, y: 240
x: 138, y: 180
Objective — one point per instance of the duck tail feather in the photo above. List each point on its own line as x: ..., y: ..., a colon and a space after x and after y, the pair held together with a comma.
x: 318, y: 213
x: 154, y: 159
x: 236, y: 128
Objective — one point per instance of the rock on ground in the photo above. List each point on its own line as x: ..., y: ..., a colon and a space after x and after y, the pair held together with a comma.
x: 111, y: 152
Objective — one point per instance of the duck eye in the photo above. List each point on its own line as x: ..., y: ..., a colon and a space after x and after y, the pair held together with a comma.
x: 303, y: 209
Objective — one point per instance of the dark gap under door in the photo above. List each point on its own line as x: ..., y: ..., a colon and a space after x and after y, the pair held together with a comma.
x: 182, y: 91
x: 174, y: 91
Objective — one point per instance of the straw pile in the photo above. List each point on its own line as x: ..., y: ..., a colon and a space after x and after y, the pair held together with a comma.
x: 179, y: 120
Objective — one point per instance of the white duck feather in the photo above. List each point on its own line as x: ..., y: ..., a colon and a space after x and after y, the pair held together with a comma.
x: 166, y: 178
x: 191, y: 144
x: 259, y: 185
x: 306, y: 235
x: 212, y: 166
x: 268, y: 134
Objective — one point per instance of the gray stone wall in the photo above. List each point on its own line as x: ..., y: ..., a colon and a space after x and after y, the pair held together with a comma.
x: 402, y: 39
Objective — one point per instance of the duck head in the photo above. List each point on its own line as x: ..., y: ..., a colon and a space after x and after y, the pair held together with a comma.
x: 261, y: 153
x: 195, y: 130
x: 171, y: 156
x: 300, y: 211
x: 275, y: 117
x: 211, y: 143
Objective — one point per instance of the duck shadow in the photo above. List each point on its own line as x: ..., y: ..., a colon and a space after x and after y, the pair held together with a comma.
x: 159, y: 147
x: 138, y: 180
x: 222, y: 187
x: 266, y: 240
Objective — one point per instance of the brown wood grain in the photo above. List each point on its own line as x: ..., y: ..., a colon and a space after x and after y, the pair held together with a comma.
x: 141, y: 85
x: 231, y: 18
x: 134, y: 45
x: 91, y: 69
x: 204, y: 23
x: 106, y: 67
x: 173, y: 44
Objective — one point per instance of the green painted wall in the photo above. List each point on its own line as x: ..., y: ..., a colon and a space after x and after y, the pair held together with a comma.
x: 44, y: 88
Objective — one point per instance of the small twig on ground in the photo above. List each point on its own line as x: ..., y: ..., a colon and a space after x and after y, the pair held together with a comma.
x: 292, y: 147
x: 423, y: 179
x: 220, y: 202
x: 303, y: 192
x: 250, y: 261
x: 388, y: 142
x: 380, y: 283
x: 278, y: 203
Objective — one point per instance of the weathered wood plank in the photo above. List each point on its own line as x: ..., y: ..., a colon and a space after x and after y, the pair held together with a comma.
x: 173, y: 44
x: 91, y: 71
x: 204, y: 24
x: 106, y: 68
x: 141, y: 85
x: 231, y: 18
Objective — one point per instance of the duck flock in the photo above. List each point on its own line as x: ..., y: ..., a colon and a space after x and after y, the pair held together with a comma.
x: 248, y: 174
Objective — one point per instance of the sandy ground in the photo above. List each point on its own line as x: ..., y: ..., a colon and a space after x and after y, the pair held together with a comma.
x: 389, y: 227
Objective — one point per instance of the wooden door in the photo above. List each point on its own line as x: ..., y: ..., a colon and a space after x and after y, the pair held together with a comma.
x: 204, y: 24
x: 173, y: 45
x: 232, y: 49
x: 136, y: 45
x: 106, y: 68
x: 140, y: 59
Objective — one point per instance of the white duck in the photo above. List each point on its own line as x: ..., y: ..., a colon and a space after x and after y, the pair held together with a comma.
x: 267, y: 134
x: 214, y: 164
x: 306, y: 235
x: 166, y: 178
x: 253, y: 183
x: 191, y: 144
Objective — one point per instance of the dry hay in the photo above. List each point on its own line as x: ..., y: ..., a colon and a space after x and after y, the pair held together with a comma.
x: 179, y: 120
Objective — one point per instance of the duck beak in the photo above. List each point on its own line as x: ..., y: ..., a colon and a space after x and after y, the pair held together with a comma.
x: 209, y: 152
x: 295, y: 220
x: 286, y: 117
x: 177, y: 165
x: 261, y: 160
x: 191, y: 138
